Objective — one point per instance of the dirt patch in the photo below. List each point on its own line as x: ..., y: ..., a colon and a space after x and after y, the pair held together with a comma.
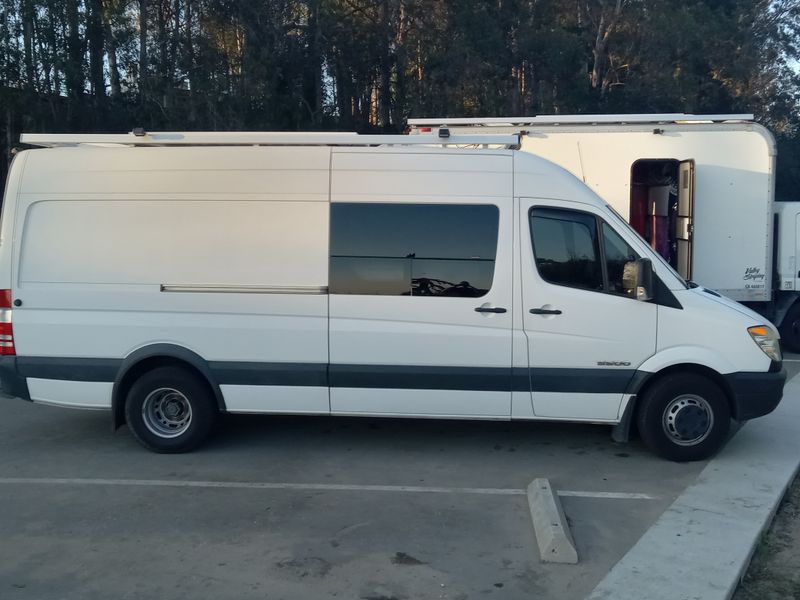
x: 774, y: 573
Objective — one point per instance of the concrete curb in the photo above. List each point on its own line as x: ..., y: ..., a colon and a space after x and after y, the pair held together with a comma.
x: 550, y: 524
x: 702, y: 545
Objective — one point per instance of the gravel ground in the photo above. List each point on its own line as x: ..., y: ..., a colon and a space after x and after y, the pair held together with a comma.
x: 774, y: 573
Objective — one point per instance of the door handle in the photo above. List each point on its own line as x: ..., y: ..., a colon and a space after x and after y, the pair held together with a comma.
x: 490, y: 309
x: 544, y: 311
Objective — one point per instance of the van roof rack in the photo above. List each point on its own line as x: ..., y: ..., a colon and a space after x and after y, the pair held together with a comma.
x: 621, y: 119
x: 256, y: 138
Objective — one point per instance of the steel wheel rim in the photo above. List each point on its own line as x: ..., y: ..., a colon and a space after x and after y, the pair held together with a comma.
x: 688, y: 420
x: 166, y: 412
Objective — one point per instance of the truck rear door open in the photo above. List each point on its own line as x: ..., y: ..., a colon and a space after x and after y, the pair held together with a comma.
x: 684, y: 222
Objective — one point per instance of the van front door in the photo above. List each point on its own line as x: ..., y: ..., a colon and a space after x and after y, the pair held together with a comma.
x: 586, y: 333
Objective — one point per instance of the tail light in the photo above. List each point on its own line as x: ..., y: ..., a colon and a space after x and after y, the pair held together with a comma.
x: 6, y: 328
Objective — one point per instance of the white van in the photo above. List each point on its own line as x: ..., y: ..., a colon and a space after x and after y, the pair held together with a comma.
x: 170, y: 277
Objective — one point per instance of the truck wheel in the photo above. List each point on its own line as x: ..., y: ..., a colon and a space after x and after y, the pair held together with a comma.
x: 683, y: 417
x: 790, y: 329
x: 169, y: 410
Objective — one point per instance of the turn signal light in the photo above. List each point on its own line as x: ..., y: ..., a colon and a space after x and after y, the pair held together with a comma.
x: 767, y: 340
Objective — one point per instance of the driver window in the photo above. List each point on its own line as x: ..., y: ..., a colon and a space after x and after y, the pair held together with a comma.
x: 565, y: 248
x: 579, y: 250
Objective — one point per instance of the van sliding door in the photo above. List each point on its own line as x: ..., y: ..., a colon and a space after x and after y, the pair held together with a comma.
x: 684, y: 222
x: 421, y: 284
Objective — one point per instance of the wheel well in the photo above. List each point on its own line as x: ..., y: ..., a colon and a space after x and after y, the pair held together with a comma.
x: 706, y: 372
x: 122, y: 387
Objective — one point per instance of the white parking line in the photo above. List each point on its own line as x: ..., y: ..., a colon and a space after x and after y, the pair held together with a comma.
x: 607, y: 495
x: 320, y: 487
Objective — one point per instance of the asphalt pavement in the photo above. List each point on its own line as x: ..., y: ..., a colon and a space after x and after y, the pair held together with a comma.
x: 314, y: 507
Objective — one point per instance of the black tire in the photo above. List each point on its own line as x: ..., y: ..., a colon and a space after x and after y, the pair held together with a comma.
x: 790, y: 329
x: 170, y: 410
x: 683, y: 417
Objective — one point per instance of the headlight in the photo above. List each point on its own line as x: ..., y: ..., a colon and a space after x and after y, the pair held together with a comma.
x: 767, y: 340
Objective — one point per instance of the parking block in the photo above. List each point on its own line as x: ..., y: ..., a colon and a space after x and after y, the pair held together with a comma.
x: 550, y: 524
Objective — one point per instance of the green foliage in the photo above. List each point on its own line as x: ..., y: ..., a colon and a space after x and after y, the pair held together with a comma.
x: 367, y: 65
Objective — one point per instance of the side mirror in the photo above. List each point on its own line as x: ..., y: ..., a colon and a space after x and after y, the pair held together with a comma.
x: 637, y: 279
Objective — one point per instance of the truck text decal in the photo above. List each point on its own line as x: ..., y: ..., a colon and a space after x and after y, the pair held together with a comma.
x: 753, y: 274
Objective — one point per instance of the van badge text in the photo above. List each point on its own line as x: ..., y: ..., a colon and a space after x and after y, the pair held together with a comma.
x: 613, y: 363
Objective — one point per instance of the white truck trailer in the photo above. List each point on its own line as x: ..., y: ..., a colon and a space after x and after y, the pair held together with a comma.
x: 699, y: 188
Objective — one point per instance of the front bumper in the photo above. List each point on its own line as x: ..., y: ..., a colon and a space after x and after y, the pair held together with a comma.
x: 755, y: 394
x: 12, y: 384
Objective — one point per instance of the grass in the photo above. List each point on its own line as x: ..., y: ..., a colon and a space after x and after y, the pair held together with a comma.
x: 774, y: 573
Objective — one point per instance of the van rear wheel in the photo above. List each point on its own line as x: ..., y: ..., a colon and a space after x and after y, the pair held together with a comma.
x: 683, y: 417
x: 169, y: 410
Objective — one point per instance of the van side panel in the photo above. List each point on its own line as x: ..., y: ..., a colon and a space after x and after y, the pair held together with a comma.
x: 78, y: 394
x: 173, y: 242
x: 223, y: 251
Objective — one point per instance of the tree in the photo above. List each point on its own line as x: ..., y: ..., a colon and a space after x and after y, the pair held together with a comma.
x: 367, y: 65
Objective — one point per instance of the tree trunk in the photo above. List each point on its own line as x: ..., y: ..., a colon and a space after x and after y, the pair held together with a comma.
x: 345, y: 96
x: 111, y: 49
x: 74, y: 66
x: 599, y: 50
x: 94, y: 34
x: 175, y: 39
x: 401, y: 57
x: 385, y: 79
x: 143, y: 58
x: 55, y: 59
x: 162, y: 38
x: 188, y: 61
x: 45, y: 62
x: 314, y: 74
x: 27, y: 43
x: 163, y: 51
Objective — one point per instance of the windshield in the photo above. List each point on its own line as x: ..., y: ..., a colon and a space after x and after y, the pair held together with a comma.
x: 621, y: 221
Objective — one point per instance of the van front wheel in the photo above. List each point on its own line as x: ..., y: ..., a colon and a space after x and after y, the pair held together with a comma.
x: 169, y: 410
x: 683, y: 417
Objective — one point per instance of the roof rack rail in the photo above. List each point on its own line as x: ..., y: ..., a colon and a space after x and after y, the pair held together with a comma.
x: 620, y: 119
x: 255, y: 138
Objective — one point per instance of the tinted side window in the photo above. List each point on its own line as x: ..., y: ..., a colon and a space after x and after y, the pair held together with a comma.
x: 565, y: 248
x: 413, y: 249
x: 618, y: 255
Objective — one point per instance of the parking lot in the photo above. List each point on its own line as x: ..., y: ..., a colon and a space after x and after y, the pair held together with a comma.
x: 301, y: 507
